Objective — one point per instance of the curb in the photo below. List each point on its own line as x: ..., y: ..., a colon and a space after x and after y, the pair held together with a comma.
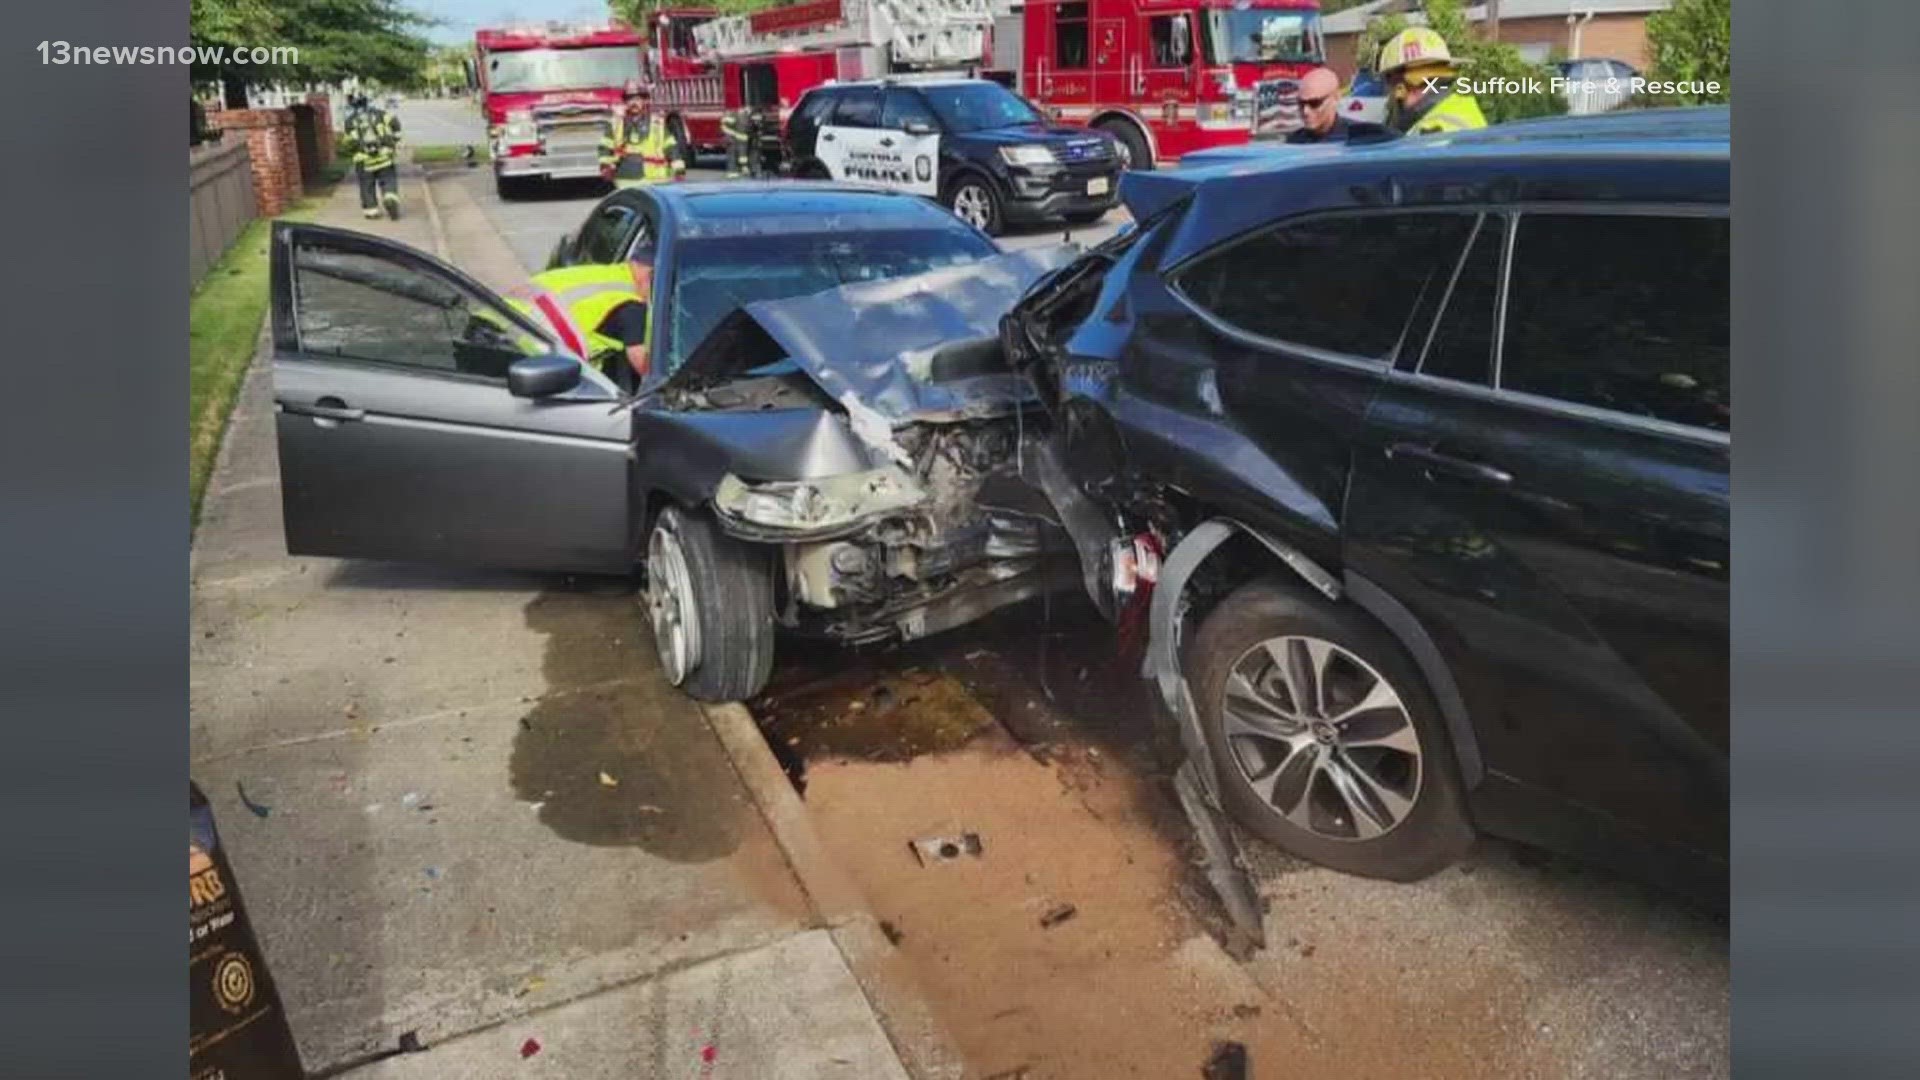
x: 924, y: 1048
x: 433, y: 215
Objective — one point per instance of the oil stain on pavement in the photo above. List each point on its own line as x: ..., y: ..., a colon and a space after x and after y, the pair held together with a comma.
x: 612, y: 754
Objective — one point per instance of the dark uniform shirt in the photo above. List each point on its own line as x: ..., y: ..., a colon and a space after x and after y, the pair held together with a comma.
x: 1344, y: 130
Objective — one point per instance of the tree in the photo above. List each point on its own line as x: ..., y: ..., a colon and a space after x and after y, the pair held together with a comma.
x: 1479, y: 60
x: 369, y: 40
x: 1690, y: 42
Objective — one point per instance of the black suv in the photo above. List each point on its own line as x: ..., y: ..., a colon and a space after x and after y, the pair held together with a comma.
x: 1434, y: 436
x: 974, y: 145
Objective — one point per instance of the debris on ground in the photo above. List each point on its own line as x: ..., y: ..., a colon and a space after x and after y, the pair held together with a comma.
x: 410, y: 1042
x: 433, y: 872
x: 1018, y: 1072
x: 259, y: 810
x: 529, y: 1048
x: 939, y: 849
x: 608, y: 781
x: 1057, y: 915
x: 410, y: 800
x: 1229, y: 1062
x: 894, y: 934
x: 533, y: 983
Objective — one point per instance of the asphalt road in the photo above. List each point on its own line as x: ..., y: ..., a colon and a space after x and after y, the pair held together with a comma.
x: 443, y: 122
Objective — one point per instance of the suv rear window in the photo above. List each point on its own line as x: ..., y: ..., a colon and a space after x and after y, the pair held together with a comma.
x: 1621, y: 312
x: 1344, y: 284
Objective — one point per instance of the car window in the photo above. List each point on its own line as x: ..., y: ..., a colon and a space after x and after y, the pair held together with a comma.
x: 1070, y: 35
x: 858, y: 108
x: 903, y: 107
x: 814, y: 107
x: 1344, y: 284
x: 1460, y: 345
x: 718, y: 276
x: 356, y: 305
x: 1172, y: 40
x: 1621, y: 312
x: 604, y: 236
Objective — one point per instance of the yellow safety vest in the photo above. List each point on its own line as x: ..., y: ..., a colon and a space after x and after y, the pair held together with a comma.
x: 653, y: 144
x: 1452, y: 112
x: 573, y: 300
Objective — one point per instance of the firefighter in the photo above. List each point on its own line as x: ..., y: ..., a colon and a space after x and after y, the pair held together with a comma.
x: 371, y: 137
x: 601, y: 312
x: 1420, y: 71
x: 640, y: 149
x: 738, y: 127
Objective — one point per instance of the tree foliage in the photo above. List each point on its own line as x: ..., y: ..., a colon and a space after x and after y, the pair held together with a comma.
x: 1691, y: 42
x: 369, y: 40
x: 1480, y: 59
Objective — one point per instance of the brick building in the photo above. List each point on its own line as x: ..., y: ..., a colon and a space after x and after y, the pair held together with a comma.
x: 1614, y: 29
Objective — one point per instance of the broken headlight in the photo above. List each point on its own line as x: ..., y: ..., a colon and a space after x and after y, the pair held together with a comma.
x: 811, y: 506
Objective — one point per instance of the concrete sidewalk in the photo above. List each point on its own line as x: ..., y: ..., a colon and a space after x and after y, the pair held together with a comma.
x: 465, y: 806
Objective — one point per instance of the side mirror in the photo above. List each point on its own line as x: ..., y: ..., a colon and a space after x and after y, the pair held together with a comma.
x: 919, y: 127
x: 543, y: 376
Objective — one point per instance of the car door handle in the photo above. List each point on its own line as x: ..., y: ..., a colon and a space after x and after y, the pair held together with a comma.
x: 886, y: 142
x: 328, y: 409
x: 1450, y: 465
x: 826, y: 138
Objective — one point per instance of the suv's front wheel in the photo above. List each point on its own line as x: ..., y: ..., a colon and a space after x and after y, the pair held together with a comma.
x: 973, y: 200
x: 1327, y: 741
x: 710, y: 600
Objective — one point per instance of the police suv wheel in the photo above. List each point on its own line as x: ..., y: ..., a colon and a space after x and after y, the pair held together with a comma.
x: 974, y: 201
x: 710, y: 602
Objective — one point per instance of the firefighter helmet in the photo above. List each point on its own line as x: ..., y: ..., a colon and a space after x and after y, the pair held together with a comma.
x: 635, y: 90
x: 1416, y: 46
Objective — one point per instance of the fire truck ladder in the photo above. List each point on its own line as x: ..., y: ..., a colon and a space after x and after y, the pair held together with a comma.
x: 915, y: 33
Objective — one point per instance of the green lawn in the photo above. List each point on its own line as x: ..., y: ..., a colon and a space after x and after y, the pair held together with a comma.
x: 223, y: 321
x: 430, y: 155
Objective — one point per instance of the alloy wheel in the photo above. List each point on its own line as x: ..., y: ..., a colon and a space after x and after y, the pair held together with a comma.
x: 973, y: 205
x: 1322, y: 738
x: 670, y: 605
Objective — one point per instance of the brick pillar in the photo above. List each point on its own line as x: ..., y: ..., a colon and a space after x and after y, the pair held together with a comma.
x: 323, y: 119
x: 275, y: 152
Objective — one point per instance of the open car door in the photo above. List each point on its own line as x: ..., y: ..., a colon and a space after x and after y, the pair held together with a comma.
x: 399, y: 436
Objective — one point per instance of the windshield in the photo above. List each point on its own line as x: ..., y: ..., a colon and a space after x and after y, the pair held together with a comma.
x: 717, y: 276
x: 1252, y: 36
x: 979, y: 106
x: 562, y: 69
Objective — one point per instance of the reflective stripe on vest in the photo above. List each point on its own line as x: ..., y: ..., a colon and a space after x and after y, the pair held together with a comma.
x: 587, y: 294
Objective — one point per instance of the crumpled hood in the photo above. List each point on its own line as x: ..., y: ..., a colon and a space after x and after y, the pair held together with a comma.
x: 896, y: 351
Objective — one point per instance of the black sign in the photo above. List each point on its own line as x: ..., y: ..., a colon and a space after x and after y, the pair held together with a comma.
x: 239, y: 1031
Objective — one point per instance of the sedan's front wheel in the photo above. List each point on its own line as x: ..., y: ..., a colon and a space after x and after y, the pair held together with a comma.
x: 1325, y: 737
x: 710, y: 600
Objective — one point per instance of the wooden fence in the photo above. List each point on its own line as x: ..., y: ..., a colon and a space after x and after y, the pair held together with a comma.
x: 221, y: 200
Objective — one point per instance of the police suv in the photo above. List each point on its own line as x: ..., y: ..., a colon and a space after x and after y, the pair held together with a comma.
x: 975, y: 146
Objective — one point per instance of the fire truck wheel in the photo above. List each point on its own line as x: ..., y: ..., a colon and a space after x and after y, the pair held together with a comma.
x: 974, y: 201
x: 509, y: 187
x: 1134, y: 153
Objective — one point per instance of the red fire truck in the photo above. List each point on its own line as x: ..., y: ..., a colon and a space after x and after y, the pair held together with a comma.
x: 549, y: 93
x: 1165, y: 77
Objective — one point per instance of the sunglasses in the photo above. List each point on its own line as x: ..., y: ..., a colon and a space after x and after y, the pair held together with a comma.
x: 1314, y: 103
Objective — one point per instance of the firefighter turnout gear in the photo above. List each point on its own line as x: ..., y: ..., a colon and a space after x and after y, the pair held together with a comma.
x: 371, y: 137
x: 1419, y: 70
x: 641, y: 150
x: 737, y: 127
